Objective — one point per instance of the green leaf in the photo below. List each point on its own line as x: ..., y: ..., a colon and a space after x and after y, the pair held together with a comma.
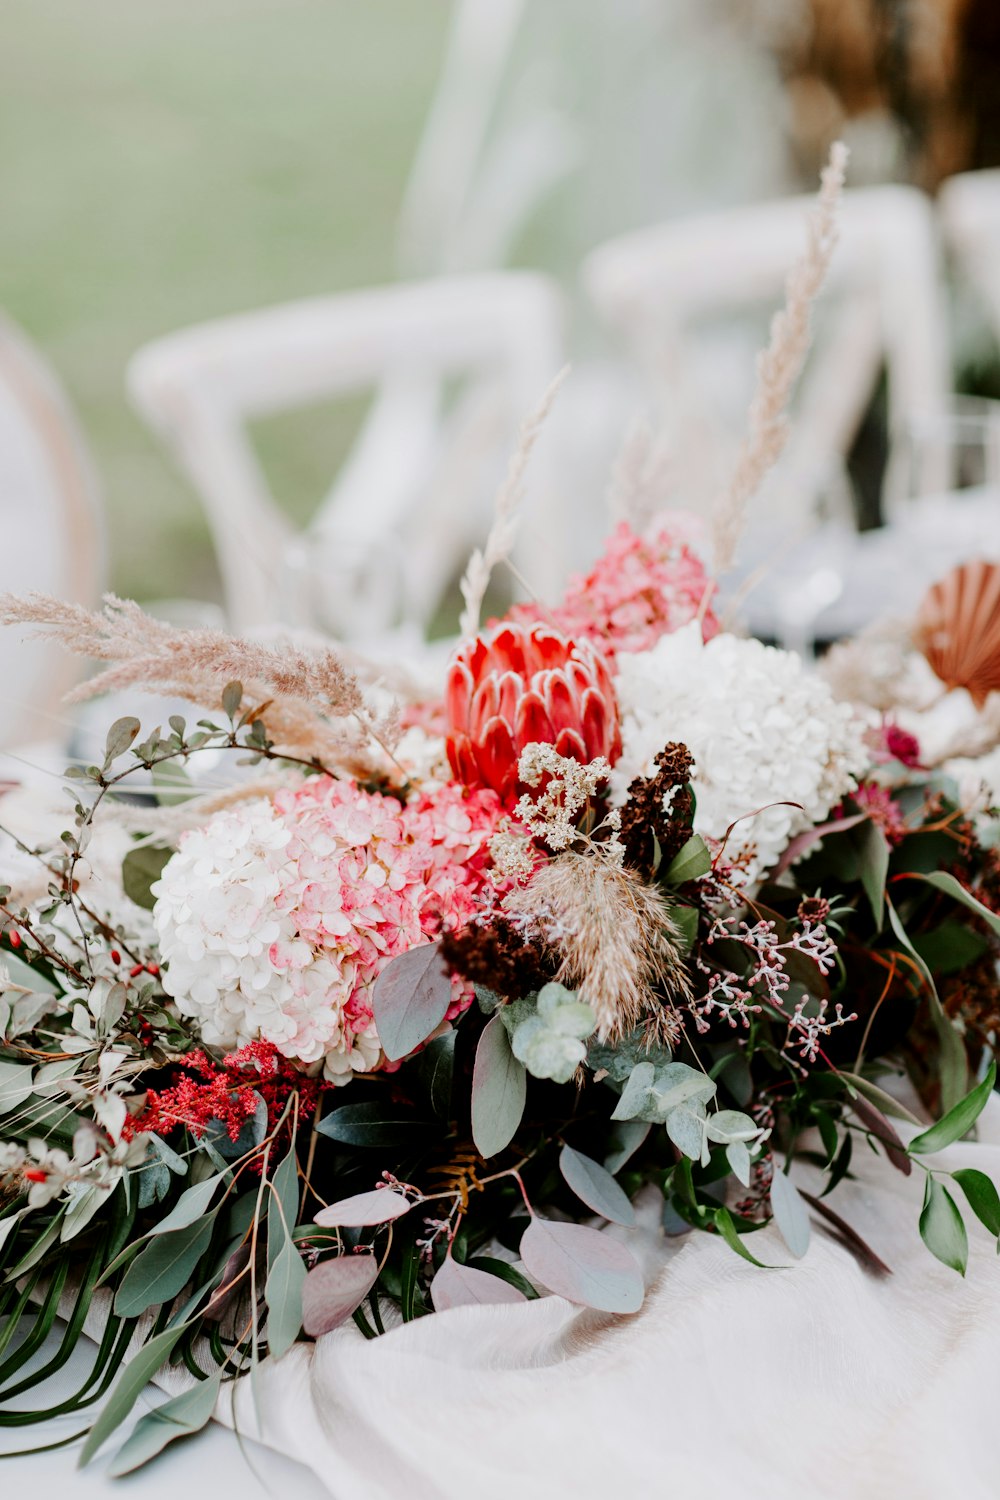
x: 377, y: 1125
x: 499, y: 1089
x: 283, y: 1292
x: 284, y: 1187
x: 410, y: 999
x: 583, y: 1265
x: 790, y: 1214
x: 135, y: 1377
x: 232, y: 697
x: 180, y: 1417
x: 506, y: 1272
x: 981, y: 1195
x: 953, y: 1067
x: 595, y: 1187
x: 685, y: 920
x: 141, y: 869
x: 951, y: 887
x: 873, y: 862
x: 120, y: 736
x: 883, y: 1101
x: 550, y: 1040
x: 950, y: 947
x: 941, y: 1227
x: 958, y: 1121
x: 163, y: 1268
x: 690, y: 863
x: 434, y: 1068
x: 625, y: 1137
x: 723, y: 1221
x: 191, y: 1205
x: 15, y: 1085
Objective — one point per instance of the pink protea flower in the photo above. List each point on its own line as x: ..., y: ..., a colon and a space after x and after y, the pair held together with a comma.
x: 642, y: 587
x: 521, y: 684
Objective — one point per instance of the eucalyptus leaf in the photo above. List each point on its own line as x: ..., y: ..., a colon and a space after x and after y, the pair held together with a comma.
x: 455, y: 1285
x: 595, y: 1187
x: 334, y: 1288
x: 180, y: 1417
x: 190, y: 1206
x: 373, y: 1125
x: 283, y: 1293
x: 378, y: 1207
x: 941, y: 1227
x: 135, y: 1377
x: 551, y: 1042
x: 686, y: 1128
x: 583, y: 1265
x: 281, y: 1215
x: 952, y: 887
x: 162, y: 1268
x: 738, y: 1158
x: 958, y: 1121
x: 953, y: 1068
x: 873, y: 866
x: 410, y: 999
x: 16, y: 1085
x: 499, y: 1089
x: 877, y: 1096
x: 790, y: 1214
x: 625, y: 1137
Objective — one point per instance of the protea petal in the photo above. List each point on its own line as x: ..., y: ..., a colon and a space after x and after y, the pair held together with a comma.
x: 485, y: 705
x: 570, y: 743
x: 559, y: 700
x: 496, y: 757
x: 594, y: 723
x: 510, y: 687
x: 532, y: 724
x: 458, y: 693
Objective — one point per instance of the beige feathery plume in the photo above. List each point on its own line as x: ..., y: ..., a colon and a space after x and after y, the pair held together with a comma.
x: 503, y: 532
x: 618, y: 940
x: 779, y: 366
x: 315, y: 706
x: 641, y: 478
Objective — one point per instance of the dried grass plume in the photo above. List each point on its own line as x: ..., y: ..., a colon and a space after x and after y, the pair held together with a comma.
x: 779, y: 366
x: 503, y: 532
x: 619, y: 944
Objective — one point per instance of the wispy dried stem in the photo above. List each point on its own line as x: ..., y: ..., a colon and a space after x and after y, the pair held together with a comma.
x: 779, y: 366
x: 641, y: 477
x: 315, y: 706
x: 503, y: 532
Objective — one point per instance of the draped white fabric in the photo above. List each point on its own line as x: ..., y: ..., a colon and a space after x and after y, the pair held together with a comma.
x: 816, y: 1381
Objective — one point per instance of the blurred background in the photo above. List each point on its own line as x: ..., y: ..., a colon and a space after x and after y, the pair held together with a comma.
x: 620, y: 185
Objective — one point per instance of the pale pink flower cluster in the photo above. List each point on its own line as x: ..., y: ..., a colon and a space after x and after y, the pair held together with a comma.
x: 642, y: 587
x: 275, y: 918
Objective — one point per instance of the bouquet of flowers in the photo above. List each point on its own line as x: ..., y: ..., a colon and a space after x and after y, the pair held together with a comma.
x: 402, y: 1013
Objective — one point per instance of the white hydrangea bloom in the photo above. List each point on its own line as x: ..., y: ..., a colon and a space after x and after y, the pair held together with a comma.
x: 218, y: 919
x: 761, y: 730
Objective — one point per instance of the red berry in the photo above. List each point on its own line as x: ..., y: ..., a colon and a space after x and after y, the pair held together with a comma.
x: 14, y: 938
x: 116, y: 957
x: 135, y: 971
x: 35, y: 1174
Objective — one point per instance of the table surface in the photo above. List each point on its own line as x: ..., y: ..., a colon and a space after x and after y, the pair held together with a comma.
x: 215, y: 1461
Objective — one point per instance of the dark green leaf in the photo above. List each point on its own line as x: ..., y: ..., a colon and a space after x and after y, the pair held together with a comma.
x: 625, y: 1137
x: 941, y: 1227
x: 691, y: 862
x: 141, y: 868
x: 883, y: 1101
x: 162, y: 1268
x: 434, y: 1067
x: 723, y: 1221
x: 959, y: 1119
x: 982, y: 1196
x: 377, y: 1125
x: 950, y: 948
x: 951, y: 887
x: 873, y: 866
x: 953, y: 1067
x: 506, y: 1272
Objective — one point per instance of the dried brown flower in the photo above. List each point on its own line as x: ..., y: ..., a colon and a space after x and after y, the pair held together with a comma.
x: 499, y: 958
x: 659, y: 807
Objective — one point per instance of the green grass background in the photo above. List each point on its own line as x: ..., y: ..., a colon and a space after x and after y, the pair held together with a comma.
x: 165, y: 161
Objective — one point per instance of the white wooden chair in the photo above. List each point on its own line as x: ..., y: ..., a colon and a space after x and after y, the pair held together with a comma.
x: 51, y: 534
x: 658, y: 288
x: 414, y: 493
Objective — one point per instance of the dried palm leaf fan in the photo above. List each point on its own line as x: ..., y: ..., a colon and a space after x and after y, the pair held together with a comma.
x: 958, y: 629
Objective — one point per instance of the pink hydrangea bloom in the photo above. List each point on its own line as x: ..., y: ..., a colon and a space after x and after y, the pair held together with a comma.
x: 276, y: 918
x: 641, y: 588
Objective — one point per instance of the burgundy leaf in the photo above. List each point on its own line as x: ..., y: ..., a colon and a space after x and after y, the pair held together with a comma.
x: 410, y: 998
x: 377, y: 1207
x: 332, y: 1291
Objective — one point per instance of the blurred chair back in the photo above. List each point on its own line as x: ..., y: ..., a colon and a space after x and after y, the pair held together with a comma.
x: 658, y: 287
x: 51, y: 529
x: 457, y: 364
x: 969, y: 206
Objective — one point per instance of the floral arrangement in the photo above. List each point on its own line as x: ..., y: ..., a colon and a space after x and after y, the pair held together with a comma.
x: 393, y: 1020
